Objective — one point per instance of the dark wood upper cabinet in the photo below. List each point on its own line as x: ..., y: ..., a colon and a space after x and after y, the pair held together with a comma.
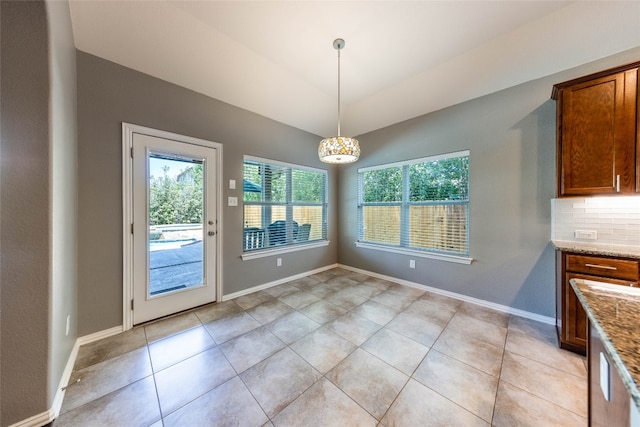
x: 597, y: 133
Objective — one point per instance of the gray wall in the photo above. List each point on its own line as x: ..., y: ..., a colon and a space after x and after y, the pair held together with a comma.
x: 37, y: 205
x: 109, y: 94
x: 511, y: 135
x: 63, y: 190
x: 25, y: 240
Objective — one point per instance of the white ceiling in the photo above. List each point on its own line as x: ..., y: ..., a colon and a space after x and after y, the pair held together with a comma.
x: 402, y: 59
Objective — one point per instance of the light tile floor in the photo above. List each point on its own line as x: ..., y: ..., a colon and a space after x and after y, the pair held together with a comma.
x: 336, y: 348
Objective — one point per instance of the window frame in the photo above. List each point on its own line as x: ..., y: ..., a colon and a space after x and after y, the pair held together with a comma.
x: 405, y: 205
x: 289, y: 205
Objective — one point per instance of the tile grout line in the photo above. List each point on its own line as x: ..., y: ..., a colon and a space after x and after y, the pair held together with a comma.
x: 504, y: 350
x: 422, y: 361
x: 155, y: 383
x: 323, y: 376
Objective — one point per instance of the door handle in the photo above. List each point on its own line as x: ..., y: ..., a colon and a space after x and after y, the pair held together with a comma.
x: 211, y: 233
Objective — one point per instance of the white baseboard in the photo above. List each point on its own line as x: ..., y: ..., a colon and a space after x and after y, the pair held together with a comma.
x: 476, y: 301
x: 53, y: 412
x: 276, y: 283
x: 96, y: 336
x: 36, y: 420
x: 64, y: 381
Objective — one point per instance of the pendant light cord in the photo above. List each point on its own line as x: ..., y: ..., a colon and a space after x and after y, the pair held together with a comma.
x: 338, y: 92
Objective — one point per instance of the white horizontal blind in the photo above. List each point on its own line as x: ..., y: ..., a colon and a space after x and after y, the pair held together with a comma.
x: 421, y: 204
x: 283, y: 204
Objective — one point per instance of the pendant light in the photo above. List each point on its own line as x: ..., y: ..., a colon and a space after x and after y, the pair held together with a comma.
x: 339, y: 149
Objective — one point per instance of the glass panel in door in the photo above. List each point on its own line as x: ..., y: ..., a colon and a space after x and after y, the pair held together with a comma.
x: 176, y: 251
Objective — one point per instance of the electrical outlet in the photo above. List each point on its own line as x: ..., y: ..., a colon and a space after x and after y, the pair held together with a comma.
x: 605, y: 385
x: 68, y: 324
x: 412, y: 263
x: 233, y: 201
x: 586, y: 234
x: 279, y: 262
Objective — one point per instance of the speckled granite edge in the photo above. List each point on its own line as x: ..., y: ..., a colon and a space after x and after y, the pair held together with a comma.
x: 598, y: 249
x: 615, y: 316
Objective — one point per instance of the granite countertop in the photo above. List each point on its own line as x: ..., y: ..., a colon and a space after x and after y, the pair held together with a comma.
x: 598, y: 249
x: 614, y: 311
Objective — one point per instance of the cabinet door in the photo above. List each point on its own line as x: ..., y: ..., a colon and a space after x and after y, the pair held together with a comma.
x: 574, y: 319
x: 597, y: 136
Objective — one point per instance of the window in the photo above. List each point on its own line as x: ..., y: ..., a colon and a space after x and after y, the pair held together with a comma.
x: 284, y: 205
x: 419, y: 205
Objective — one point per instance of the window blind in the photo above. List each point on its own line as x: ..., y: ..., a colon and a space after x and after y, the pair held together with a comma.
x: 421, y: 204
x: 283, y: 204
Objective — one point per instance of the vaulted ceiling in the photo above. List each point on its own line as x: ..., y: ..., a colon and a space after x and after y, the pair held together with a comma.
x: 402, y: 59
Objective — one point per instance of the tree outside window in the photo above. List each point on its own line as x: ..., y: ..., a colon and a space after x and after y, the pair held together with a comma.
x: 421, y: 204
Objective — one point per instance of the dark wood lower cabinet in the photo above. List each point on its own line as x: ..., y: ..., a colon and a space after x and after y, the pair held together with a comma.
x: 614, y: 412
x: 571, y: 319
x: 574, y: 327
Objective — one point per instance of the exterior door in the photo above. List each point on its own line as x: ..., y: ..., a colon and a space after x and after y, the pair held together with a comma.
x: 174, y: 226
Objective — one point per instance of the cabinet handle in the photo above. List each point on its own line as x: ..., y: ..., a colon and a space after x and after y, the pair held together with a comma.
x: 618, y: 183
x: 603, y: 267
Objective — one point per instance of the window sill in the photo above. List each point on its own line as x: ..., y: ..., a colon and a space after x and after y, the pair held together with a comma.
x: 283, y: 250
x: 403, y: 251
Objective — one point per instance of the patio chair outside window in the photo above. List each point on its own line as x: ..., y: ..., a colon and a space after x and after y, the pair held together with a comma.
x: 280, y: 199
x: 254, y: 238
x: 303, y: 232
x: 278, y: 232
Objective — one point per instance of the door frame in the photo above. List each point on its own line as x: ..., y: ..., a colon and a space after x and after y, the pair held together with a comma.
x: 128, y: 130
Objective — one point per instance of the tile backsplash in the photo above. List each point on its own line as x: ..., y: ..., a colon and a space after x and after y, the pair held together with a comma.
x: 616, y: 220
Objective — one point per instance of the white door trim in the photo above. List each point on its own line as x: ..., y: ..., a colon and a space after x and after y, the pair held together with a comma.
x: 127, y: 210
